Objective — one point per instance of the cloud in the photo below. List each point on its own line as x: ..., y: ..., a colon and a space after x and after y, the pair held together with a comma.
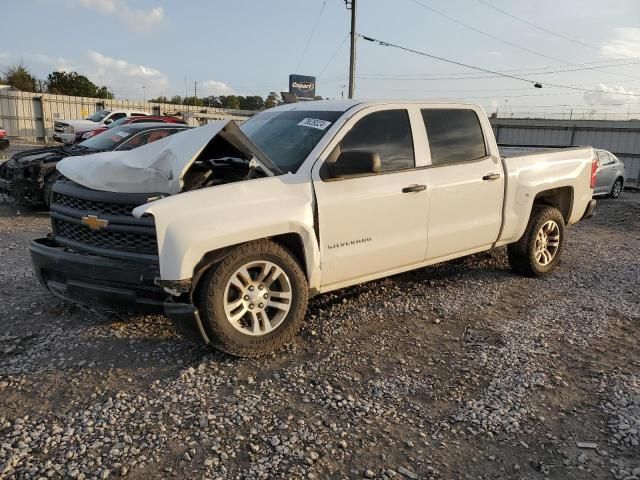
x: 60, y: 64
x: 123, y: 78
x: 212, y: 87
x: 138, y: 20
x: 626, y: 43
x: 607, y: 95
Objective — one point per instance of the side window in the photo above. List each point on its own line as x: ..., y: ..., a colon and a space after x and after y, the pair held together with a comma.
x: 117, y: 116
x: 387, y: 133
x: 135, y: 141
x: 603, y: 158
x: 138, y: 114
x: 158, y: 134
x: 455, y: 135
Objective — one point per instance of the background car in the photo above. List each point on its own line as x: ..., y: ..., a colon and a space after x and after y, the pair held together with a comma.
x: 4, y: 141
x: 610, y: 174
x: 71, y: 131
x: 29, y: 176
x: 128, y: 120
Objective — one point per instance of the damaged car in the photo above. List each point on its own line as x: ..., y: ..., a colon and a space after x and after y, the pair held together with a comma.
x: 229, y: 230
x: 29, y: 176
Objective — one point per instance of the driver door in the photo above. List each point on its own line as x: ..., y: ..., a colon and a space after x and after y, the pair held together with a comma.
x: 372, y: 223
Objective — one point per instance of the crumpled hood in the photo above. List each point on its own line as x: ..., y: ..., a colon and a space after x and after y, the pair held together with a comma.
x: 154, y: 168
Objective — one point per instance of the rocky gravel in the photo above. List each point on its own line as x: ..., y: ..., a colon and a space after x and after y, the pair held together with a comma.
x: 462, y: 370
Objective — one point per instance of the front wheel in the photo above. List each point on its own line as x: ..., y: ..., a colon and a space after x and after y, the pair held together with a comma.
x: 253, y: 302
x: 538, y: 250
x: 616, y: 189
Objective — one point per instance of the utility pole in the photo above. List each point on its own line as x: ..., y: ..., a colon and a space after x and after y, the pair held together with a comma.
x: 351, y: 5
x: 195, y: 93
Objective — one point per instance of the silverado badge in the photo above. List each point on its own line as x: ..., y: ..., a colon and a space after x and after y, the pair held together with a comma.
x: 94, y: 223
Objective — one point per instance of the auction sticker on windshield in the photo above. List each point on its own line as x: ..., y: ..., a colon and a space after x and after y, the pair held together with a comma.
x: 314, y: 123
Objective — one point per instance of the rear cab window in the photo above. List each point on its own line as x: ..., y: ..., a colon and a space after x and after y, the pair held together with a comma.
x: 455, y: 135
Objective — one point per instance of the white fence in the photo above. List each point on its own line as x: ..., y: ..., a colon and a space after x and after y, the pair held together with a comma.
x: 30, y: 116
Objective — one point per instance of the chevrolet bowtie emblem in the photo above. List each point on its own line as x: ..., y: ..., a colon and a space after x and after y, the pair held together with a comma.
x: 94, y: 223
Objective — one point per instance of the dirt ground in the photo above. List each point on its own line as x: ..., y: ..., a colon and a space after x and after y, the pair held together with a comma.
x: 463, y: 370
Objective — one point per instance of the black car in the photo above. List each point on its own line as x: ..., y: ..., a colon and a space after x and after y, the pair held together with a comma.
x: 29, y: 176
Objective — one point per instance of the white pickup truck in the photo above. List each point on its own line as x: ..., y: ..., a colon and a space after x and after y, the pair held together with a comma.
x: 230, y: 229
x: 71, y: 131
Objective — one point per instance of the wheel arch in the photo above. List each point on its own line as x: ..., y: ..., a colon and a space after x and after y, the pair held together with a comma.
x: 291, y: 241
x: 559, y: 197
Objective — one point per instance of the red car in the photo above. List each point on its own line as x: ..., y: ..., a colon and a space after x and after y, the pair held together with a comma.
x: 136, y: 119
x: 4, y: 141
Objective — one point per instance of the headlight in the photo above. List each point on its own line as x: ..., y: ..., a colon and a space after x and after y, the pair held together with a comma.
x: 68, y: 129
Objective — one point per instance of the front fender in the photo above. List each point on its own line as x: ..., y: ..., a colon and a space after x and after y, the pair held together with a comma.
x: 192, y: 224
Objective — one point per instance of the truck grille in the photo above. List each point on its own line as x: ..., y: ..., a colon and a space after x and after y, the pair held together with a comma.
x: 58, y: 127
x: 122, y: 236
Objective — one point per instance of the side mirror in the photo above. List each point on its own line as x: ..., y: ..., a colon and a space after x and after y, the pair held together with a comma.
x: 354, y: 162
x: 108, y: 121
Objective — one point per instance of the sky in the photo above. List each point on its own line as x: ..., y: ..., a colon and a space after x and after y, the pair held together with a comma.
x: 146, y: 48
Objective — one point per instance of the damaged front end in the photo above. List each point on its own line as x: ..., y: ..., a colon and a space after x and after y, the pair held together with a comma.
x: 103, y: 251
x: 24, y: 176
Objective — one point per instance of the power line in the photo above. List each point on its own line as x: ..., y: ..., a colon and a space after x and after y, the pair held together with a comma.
x: 486, y: 70
x: 334, y: 55
x: 531, y: 24
x: 313, y: 31
x: 502, y: 40
x: 531, y: 70
x: 486, y: 34
x: 417, y: 78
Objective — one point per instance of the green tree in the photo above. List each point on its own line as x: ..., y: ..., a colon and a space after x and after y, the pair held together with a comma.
x: 160, y: 99
x: 230, y: 101
x: 177, y: 99
x: 252, y: 102
x: 19, y: 77
x: 272, y: 100
x: 72, y: 83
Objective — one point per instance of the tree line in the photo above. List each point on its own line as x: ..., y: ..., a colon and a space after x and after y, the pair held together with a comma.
x: 75, y: 84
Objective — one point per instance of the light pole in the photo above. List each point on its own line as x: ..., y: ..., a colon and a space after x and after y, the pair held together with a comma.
x: 144, y: 93
x: 351, y: 5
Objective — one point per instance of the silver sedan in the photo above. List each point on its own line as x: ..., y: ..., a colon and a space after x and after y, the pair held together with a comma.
x: 610, y: 174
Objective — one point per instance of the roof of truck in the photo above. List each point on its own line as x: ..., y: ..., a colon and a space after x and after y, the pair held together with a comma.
x: 344, y: 105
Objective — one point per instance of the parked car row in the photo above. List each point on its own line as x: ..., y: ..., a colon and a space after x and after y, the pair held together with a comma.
x: 29, y: 176
x: 134, y: 119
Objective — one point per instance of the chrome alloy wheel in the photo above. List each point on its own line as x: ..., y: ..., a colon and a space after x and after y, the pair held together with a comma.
x: 547, y: 242
x: 257, y: 298
x: 617, y: 188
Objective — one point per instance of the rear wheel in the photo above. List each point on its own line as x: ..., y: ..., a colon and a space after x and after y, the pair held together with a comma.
x: 538, y: 250
x: 616, y: 189
x: 254, y: 300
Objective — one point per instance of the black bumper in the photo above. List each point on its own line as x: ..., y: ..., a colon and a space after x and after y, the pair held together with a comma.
x: 590, y: 211
x: 96, y: 281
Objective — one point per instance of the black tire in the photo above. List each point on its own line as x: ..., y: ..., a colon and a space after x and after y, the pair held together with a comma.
x: 522, y: 254
x: 211, y: 292
x: 47, y: 190
x: 616, y: 189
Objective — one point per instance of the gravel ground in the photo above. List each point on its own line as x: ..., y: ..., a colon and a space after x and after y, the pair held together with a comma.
x: 462, y: 370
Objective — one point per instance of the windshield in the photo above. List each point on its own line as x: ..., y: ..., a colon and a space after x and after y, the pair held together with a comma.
x: 287, y: 137
x: 109, y: 139
x: 99, y: 115
x: 120, y: 121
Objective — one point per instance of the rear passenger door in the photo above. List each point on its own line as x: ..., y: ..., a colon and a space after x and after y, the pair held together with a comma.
x: 465, y: 182
x: 605, y: 172
x: 376, y: 222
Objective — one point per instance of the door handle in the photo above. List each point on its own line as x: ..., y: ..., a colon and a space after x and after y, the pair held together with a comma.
x: 491, y: 176
x: 414, y: 188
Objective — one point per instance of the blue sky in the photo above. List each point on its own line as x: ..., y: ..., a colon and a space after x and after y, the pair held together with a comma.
x: 251, y: 46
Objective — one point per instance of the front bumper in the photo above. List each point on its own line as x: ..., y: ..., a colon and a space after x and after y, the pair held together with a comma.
x: 590, y: 210
x: 68, y: 138
x: 96, y: 281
